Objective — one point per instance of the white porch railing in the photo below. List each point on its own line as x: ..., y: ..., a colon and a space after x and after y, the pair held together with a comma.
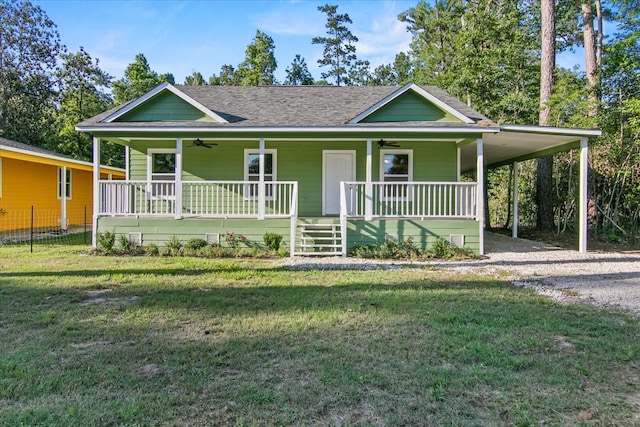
x: 410, y: 200
x: 214, y: 199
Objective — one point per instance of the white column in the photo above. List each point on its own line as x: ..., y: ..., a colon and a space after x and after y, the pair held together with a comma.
x: 126, y: 162
x: 96, y: 191
x: 261, y: 188
x: 515, y: 200
x: 480, y: 192
x: 178, y: 180
x: 368, y: 186
x: 458, y: 166
x: 63, y: 197
x: 584, y: 170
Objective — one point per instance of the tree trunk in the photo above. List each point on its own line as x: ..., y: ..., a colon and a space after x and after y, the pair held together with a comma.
x: 590, y: 57
x: 544, y: 171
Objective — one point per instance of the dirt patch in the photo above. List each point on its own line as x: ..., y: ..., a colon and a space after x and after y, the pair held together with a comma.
x: 96, y: 298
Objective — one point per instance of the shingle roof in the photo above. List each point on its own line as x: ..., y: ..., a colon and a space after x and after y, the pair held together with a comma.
x: 291, y: 106
x: 26, y: 147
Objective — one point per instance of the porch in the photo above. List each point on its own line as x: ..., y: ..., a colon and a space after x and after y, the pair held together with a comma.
x: 382, y: 205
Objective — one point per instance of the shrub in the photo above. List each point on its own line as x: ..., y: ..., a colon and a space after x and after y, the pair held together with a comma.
x: 441, y: 248
x: 106, y: 241
x: 125, y: 243
x: 173, y: 247
x: 195, y: 244
x: 152, y: 249
x: 272, y: 241
x: 233, y: 240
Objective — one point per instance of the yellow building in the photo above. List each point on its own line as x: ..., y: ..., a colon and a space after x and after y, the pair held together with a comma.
x: 57, y: 187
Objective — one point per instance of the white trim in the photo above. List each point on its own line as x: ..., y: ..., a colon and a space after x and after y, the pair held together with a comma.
x: 420, y: 91
x: 150, y: 153
x: 516, y: 218
x: 373, y: 130
x: 583, y: 225
x: 178, y: 179
x: 550, y: 130
x: 274, y: 169
x: 61, y: 182
x: 368, y: 190
x: 0, y: 177
x: 54, y: 157
x: 480, y: 192
x: 153, y: 92
x: 96, y: 191
x: 384, y: 152
x: 324, y: 163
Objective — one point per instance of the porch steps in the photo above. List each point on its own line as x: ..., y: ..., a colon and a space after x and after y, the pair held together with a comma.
x: 319, y: 239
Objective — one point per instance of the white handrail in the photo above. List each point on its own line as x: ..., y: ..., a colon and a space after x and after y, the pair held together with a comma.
x: 411, y: 199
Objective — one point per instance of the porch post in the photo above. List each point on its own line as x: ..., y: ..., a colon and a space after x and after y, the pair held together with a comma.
x: 480, y: 192
x: 126, y: 163
x: 584, y: 169
x: 178, y: 180
x: 368, y: 186
x: 63, y: 198
x: 515, y: 200
x: 261, y: 189
x: 96, y: 192
x: 458, y: 166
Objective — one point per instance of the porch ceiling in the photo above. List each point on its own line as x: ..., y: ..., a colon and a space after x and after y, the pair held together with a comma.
x: 519, y: 143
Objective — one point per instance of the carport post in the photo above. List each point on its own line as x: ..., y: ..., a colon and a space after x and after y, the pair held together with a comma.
x: 584, y: 170
x: 96, y: 192
x: 515, y: 201
x: 480, y: 193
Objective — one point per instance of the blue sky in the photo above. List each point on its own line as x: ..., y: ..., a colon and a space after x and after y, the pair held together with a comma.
x: 180, y: 37
x: 185, y: 36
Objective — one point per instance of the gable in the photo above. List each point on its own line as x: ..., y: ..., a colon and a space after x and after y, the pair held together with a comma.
x: 410, y: 107
x: 165, y: 106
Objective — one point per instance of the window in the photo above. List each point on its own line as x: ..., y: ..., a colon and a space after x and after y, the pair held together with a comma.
x: 396, y: 166
x: 161, y: 166
x: 64, y: 182
x: 252, y: 172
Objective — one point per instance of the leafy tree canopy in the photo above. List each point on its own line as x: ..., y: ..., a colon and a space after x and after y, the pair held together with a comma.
x: 138, y: 79
x: 298, y: 73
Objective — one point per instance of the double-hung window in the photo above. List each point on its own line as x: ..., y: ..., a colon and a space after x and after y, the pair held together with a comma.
x: 64, y: 182
x: 161, y: 166
x: 252, y: 172
x: 396, y: 167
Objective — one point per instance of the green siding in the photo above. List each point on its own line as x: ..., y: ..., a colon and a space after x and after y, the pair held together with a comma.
x: 297, y: 161
x: 423, y: 233
x: 159, y: 230
x: 164, y: 106
x: 410, y: 107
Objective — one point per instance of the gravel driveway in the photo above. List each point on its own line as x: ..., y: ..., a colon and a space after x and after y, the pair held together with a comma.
x: 610, y: 279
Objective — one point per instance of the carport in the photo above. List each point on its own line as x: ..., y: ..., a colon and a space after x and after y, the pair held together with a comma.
x: 516, y: 143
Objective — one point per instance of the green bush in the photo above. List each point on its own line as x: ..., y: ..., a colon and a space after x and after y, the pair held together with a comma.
x: 152, y: 249
x: 106, y: 242
x: 125, y: 243
x: 195, y: 244
x: 441, y: 248
x: 272, y: 241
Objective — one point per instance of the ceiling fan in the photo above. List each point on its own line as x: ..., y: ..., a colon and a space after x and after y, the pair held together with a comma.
x: 382, y: 143
x: 200, y: 143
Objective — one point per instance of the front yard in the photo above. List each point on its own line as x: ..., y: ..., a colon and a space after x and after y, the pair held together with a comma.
x: 183, y: 341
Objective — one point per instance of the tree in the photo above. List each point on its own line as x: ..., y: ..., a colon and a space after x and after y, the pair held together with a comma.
x: 29, y: 46
x: 547, y: 65
x: 227, y: 77
x: 138, y: 79
x: 195, y: 79
x: 298, y: 74
x: 260, y: 62
x: 339, y: 50
x: 83, y: 94
x: 359, y: 74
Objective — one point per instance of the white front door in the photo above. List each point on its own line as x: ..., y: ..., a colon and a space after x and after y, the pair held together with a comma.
x: 336, y: 166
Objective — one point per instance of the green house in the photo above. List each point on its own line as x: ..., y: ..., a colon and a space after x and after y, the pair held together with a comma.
x: 326, y: 167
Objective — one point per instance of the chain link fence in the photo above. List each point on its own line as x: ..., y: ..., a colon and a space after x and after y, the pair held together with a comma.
x: 41, y: 228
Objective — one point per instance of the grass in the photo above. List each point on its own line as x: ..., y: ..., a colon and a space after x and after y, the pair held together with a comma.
x: 181, y: 341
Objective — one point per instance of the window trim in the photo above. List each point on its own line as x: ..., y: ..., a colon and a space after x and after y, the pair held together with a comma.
x: 408, y: 152
x: 150, y: 153
x: 67, y: 181
x: 274, y: 172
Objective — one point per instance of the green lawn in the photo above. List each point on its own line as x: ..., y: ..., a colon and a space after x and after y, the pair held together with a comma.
x: 90, y: 340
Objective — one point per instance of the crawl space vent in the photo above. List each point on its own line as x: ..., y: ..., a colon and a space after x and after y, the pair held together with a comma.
x: 212, y: 238
x: 457, y: 240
